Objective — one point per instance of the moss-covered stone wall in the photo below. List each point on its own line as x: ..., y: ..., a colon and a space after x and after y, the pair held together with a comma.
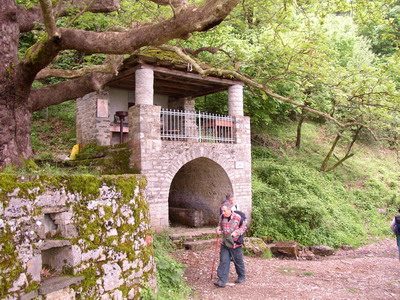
x: 95, y: 229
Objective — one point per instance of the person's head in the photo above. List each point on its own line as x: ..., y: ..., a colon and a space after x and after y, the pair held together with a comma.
x: 230, y: 198
x: 226, y: 210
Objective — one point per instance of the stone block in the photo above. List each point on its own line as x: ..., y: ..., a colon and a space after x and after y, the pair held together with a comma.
x: 321, y: 250
x: 346, y: 247
x: 48, y: 244
x: 19, y: 283
x: 68, y: 231
x: 255, y: 246
x: 187, y: 216
x: 290, y: 249
x: 112, y: 278
x: 199, y: 245
x: 17, y: 207
x: 57, y: 284
x: 34, y: 266
x: 29, y: 296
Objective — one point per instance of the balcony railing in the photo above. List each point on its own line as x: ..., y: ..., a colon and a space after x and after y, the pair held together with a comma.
x: 185, y: 125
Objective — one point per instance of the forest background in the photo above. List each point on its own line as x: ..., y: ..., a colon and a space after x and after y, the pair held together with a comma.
x: 324, y: 109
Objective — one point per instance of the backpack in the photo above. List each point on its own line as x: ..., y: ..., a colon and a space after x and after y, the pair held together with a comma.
x: 397, y: 226
x: 242, y: 215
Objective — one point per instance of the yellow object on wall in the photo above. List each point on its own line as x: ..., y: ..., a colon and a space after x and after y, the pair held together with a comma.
x: 74, y: 152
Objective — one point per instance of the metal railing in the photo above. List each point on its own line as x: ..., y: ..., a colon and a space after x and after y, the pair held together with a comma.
x: 186, y: 125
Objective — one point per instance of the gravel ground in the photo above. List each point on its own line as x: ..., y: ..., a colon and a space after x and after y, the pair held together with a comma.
x: 370, y: 272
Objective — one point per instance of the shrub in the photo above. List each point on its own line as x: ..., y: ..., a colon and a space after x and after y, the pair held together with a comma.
x: 293, y: 201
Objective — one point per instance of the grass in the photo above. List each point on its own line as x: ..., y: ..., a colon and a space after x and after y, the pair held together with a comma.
x: 54, y: 131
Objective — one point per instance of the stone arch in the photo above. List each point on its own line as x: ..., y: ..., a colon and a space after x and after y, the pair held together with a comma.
x: 196, y: 191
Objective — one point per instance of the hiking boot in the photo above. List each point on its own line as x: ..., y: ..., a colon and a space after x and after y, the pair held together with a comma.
x: 240, y: 280
x: 220, y: 284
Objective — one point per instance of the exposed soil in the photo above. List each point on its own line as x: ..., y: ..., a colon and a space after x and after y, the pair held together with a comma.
x: 370, y: 272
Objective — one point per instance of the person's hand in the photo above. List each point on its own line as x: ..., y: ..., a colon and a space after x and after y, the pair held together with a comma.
x: 234, y: 234
x: 218, y: 230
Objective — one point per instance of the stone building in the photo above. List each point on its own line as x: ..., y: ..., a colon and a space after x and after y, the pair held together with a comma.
x: 191, y: 160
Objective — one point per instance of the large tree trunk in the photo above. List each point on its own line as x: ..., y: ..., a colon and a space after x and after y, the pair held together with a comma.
x: 15, y: 144
x: 15, y: 114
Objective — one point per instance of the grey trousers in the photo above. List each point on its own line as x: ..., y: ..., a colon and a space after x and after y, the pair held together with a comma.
x: 225, y: 255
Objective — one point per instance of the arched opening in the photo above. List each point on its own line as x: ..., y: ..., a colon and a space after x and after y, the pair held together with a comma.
x: 196, y: 193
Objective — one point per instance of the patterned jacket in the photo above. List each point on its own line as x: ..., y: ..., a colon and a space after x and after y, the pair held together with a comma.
x: 231, y: 225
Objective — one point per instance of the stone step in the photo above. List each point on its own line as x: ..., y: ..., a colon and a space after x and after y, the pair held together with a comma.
x: 53, y: 284
x: 199, y: 245
x: 190, y: 234
x: 48, y: 244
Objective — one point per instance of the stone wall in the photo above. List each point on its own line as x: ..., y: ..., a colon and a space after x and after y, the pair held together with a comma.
x: 212, y: 169
x: 90, y: 128
x: 74, y: 237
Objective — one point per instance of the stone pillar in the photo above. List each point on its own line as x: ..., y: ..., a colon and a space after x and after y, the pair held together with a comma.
x: 144, y: 86
x: 146, y: 149
x: 190, y: 126
x: 144, y: 135
x: 235, y: 100
x: 188, y: 104
x: 242, y: 165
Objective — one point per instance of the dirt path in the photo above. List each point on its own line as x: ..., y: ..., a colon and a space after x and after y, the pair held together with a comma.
x: 371, y: 272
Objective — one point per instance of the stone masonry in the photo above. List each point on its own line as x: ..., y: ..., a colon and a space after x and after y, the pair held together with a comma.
x: 181, y: 174
x: 89, y: 127
x: 67, y: 235
x: 160, y: 160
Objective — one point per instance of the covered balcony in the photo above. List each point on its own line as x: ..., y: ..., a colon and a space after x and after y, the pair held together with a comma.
x: 168, y: 83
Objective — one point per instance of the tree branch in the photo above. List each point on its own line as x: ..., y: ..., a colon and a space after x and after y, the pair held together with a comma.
x: 212, y: 50
x: 111, y: 65
x: 28, y: 17
x: 252, y: 83
x: 191, y: 18
x: 48, y: 18
x: 67, y: 90
x: 172, y: 3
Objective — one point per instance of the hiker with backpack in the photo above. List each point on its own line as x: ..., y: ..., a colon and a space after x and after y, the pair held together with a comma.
x: 395, y: 227
x: 230, y: 199
x: 230, y: 229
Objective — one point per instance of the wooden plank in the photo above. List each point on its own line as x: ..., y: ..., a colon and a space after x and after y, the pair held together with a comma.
x: 114, y: 128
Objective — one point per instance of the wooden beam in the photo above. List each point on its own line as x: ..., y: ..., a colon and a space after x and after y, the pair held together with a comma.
x: 174, y: 84
x: 227, y: 82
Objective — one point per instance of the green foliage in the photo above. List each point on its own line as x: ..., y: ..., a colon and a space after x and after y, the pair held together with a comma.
x: 292, y: 200
x: 171, y: 284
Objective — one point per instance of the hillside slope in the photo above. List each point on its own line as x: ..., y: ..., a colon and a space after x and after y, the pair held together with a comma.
x: 293, y: 200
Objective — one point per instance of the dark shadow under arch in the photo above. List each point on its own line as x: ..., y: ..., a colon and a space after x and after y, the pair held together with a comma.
x: 199, y: 186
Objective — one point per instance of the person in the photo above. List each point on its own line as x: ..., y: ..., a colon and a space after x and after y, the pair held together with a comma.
x: 396, y: 221
x: 228, y: 226
x: 230, y: 198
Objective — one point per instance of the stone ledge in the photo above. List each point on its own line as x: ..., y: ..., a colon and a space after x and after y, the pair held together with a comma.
x: 191, y: 233
x: 53, y: 209
x: 48, y: 244
x: 199, y: 245
x: 29, y: 296
x: 57, y: 283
